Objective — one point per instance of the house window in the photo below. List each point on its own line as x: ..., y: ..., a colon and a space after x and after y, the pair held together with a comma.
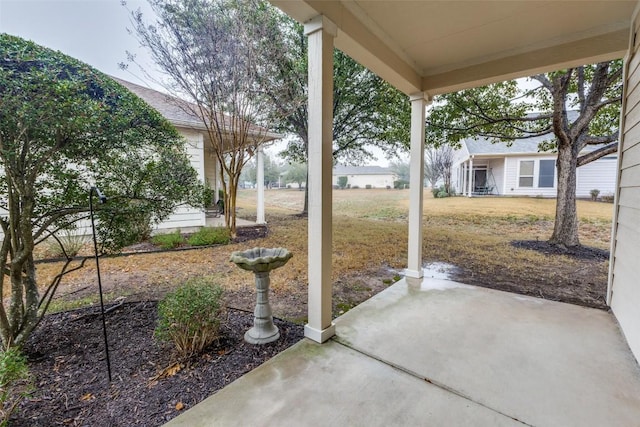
x: 547, y: 173
x: 526, y: 173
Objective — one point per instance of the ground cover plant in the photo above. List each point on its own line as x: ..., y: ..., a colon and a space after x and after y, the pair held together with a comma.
x: 168, y: 240
x: 475, y: 235
x: 190, y: 316
x: 210, y: 236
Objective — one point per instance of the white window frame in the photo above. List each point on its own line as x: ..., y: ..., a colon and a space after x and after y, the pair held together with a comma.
x: 554, y: 169
x: 532, y: 176
x: 536, y: 174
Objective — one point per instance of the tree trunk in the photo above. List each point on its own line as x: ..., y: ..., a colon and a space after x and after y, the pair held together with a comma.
x: 565, y: 231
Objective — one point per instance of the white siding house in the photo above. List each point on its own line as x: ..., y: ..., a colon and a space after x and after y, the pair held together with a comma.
x: 363, y: 176
x: 202, y: 158
x: 519, y: 169
x: 624, y: 269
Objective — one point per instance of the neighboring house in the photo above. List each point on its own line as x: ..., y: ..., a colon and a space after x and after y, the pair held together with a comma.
x: 199, y: 149
x: 519, y: 169
x: 362, y: 176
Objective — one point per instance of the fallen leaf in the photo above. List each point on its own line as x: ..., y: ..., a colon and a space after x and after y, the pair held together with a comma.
x: 169, y: 371
x: 179, y: 406
x: 172, y: 370
x: 87, y: 396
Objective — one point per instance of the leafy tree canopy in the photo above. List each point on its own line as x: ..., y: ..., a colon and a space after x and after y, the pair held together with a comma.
x: 579, y: 108
x: 64, y: 127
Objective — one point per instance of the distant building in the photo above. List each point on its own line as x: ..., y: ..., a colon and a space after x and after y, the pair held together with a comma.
x: 519, y: 169
x: 362, y: 176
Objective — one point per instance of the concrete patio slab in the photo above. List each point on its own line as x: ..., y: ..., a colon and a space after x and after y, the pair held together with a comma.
x: 542, y: 362
x: 313, y: 385
x: 436, y: 352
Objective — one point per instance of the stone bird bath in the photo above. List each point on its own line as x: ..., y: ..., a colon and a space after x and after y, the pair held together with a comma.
x: 261, y: 261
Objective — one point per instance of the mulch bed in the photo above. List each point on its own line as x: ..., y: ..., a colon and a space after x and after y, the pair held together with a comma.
x: 580, y: 252
x: 67, y: 360
x: 243, y: 234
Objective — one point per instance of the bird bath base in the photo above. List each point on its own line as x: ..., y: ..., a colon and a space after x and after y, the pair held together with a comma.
x: 263, y: 330
x: 261, y: 261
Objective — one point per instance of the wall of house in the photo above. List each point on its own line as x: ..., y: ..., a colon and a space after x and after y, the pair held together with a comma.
x: 600, y: 175
x: 624, y: 284
x: 211, y: 169
x: 512, y: 175
x: 188, y: 217
x: 376, y: 181
x: 496, y: 175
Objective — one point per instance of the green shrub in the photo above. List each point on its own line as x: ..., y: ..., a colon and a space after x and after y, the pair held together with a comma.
x: 594, y: 194
x: 441, y: 192
x: 400, y: 184
x: 190, y: 316
x: 168, y: 241
x: 342, y: 181
x: 15, y: 382
x: 608, y: 198
x: 210, y: 236
x: 368, y: 187
x: 208, y: 196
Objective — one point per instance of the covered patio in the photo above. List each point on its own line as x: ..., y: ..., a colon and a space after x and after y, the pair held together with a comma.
x: 432, y: 352
x: 435, y: 352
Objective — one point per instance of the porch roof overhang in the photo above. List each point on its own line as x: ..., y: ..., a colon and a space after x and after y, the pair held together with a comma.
x: 444, y: 46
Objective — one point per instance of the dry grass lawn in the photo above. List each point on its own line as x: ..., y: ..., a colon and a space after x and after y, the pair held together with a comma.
x: 370, y: 241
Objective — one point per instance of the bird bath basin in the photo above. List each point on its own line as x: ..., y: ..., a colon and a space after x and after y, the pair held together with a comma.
x: 261, y: 261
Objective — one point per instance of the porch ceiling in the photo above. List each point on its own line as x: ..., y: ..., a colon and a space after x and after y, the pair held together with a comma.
x: 444, y: 46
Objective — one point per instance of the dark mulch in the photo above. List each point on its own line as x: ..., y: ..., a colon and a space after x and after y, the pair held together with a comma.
x: 580, y: 252
x: 66, y: 357
x: 253, y: 232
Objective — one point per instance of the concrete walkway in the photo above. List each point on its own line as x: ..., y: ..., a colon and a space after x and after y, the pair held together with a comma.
x: 437, y: 353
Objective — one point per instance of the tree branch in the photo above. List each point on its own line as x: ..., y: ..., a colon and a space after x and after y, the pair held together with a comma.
x: 596, y: 154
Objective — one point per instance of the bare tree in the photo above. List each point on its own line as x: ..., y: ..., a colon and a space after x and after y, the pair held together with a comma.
x: 210, y: 51
x: 431, y: 171
x: 439, y: 163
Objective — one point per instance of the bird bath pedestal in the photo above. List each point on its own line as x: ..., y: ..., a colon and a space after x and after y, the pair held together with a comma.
x: 261, y: 261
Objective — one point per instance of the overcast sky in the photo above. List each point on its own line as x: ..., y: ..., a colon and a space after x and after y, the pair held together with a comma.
x: 93, y: 31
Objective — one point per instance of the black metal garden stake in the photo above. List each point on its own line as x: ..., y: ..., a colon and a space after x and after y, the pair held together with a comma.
x: 103, y: 199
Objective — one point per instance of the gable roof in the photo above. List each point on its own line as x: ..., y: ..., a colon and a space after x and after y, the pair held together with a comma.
x: 178, y: 111
x: 481, y: 145
x: 361, y: 170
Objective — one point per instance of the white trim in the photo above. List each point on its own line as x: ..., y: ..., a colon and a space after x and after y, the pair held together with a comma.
x: 419, y: 102
x: 260, y: 218
x: 504, y: 177
x: 320, y: 22
x: 536, y: 174
x: 320, y: 167
x: 519, y: 174
x: 319, y: 336
x: 416, y: 274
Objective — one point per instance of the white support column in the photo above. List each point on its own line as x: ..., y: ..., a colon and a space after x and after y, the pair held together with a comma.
x: 260, y: 196
x: 470, y: 176
x: 321, y: 33
x: 463, y: 185
x: 419, y: 102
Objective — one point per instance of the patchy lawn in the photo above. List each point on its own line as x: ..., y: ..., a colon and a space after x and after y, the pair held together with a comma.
x: 370, y: 239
